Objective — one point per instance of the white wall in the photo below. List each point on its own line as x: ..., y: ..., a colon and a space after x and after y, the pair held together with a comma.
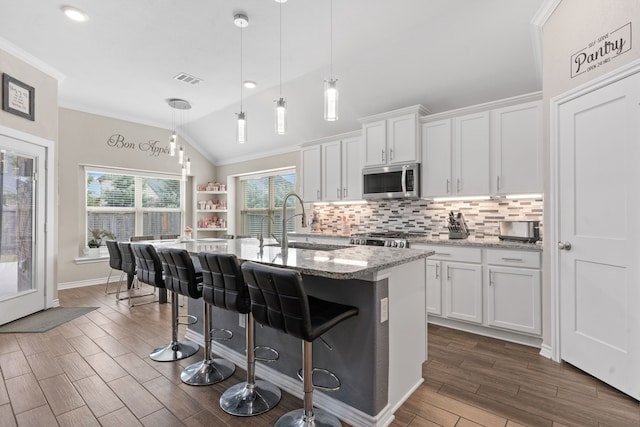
x: 83, y: 140
x: 572, y: 26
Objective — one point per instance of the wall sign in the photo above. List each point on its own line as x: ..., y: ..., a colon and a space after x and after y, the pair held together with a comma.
x: 18, y: 98
x: 601, y: 50
x: 152, y: 147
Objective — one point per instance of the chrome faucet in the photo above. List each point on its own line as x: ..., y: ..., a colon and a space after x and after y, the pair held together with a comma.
x: 260, y: 238
x: 284, y: 242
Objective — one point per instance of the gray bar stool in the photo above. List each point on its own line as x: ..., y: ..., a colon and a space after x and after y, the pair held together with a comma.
x: 149, y: 268
x: 115, y: 262
x: 278, y: 300
x: 224, y: 287
x: 180, y: 278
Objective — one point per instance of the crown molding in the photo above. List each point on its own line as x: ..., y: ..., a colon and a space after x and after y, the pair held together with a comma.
x: 537, y: 23
x: 26, y: 57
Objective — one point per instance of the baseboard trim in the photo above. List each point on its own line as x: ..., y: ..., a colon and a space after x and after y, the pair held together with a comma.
x: 293, y: 386
x: 546, y: 351
x: 81, y: 283
x: 514, y: 337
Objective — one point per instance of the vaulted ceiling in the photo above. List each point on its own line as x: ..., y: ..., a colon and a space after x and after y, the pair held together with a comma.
x: 444, y: 54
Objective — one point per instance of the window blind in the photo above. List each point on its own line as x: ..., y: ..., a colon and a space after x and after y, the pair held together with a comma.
x: 261, y: 205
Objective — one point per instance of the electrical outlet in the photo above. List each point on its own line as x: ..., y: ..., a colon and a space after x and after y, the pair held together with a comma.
x: 384, y: 309
x: 242, y: 320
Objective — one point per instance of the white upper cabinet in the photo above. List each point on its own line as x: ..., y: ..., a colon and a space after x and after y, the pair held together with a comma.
x: 517, y: 145
x: 436, y: 169
x: 455, y: 156
x: 471, y: 154
x: 392, y: 137
x: 352, y: 168
x: 490, y: 152
x: 310, y: 160
x: 332, y: 170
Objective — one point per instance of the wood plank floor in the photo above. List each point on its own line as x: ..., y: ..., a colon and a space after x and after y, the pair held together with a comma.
x: 95, y: 370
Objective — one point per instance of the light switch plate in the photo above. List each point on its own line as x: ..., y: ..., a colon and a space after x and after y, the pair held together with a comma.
x: 384, y: 309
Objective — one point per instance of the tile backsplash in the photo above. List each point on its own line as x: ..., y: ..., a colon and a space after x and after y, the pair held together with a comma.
x: 427, y: 216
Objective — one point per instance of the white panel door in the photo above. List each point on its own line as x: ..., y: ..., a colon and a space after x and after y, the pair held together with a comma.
x: 22, y: 221
x: 599, y: 215
x: 331, y: 171
x: 436, y: 159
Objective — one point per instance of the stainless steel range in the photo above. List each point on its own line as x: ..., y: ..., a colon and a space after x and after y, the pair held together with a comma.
x: 389, y: 239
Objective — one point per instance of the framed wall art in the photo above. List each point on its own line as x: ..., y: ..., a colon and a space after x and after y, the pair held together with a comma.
x: 18, y: 98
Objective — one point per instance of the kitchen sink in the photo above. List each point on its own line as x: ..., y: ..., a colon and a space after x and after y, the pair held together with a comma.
x: 312, y: 246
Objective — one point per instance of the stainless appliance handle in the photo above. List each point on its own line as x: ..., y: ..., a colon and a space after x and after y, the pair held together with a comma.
x: 404, y: 179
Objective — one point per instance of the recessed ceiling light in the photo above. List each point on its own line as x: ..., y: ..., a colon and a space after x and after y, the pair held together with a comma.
x: 75, y: 14
x: 249, y: 84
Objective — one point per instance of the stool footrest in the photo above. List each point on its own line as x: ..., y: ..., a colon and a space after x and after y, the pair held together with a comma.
x: 326, y: 372
x: 271, y: 357
x: 192, y: 320
x: 225, y: 334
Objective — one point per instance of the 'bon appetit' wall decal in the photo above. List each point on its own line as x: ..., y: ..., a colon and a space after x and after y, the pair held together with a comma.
x: 152, y: 147
x: 601, y: 50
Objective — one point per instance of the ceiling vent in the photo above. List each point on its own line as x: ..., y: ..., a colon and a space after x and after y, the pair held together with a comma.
x: 186, y: 78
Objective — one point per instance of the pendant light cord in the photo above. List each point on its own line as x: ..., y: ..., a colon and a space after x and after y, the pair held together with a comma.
x: 331, y: 37
x: 241, y: 69
x: 280, y: 49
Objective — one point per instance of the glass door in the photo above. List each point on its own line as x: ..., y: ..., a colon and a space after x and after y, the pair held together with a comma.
x: 22, y: 221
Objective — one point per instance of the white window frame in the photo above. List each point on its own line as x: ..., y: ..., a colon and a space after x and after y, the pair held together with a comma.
x: 138, y: 210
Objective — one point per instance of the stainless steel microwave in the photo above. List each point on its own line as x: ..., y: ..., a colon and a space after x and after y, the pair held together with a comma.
x: 391, y: 182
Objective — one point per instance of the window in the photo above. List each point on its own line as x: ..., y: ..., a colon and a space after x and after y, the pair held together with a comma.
x: 121, y: 204
x: 261, y: 205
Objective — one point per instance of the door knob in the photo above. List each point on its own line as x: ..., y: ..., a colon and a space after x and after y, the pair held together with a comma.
x: 564, y: 246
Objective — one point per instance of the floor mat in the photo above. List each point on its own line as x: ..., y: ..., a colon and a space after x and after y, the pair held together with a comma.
x: 45, y: 320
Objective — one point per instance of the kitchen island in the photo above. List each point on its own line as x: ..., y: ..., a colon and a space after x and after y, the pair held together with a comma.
x: 377, y: 355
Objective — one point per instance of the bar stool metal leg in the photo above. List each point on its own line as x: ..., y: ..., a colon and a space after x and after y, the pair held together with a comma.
x: 308, y: 417
x: 250, y: 397
x: 209, y: 371
x: 175, y: 350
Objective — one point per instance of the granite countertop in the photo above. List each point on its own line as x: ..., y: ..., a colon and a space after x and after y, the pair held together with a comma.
x: 348, y: 262
x: 484, y: 242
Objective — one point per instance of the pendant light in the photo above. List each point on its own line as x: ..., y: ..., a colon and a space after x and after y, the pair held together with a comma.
x: 331, y: 84
x: 183, y: 106
x: 241, y: 21
x: 281, y: 104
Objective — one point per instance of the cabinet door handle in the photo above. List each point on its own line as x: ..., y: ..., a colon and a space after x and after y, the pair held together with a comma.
x: 448, y: 275
x: 317, y: 194
x: 491, y: 278
x: 344, y: 192
x: 448, y: 186
x: 437, y: 270
x: 458, y: 185
x: 513, y: 259
x: 498, y: 182
x: 390, y: 153
x: 338, y: 192
x: 383, y: 156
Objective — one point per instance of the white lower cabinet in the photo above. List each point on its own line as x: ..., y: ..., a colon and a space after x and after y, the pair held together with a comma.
x: 495, y: 290
x: 463, y: 291
x: 514, y: 294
